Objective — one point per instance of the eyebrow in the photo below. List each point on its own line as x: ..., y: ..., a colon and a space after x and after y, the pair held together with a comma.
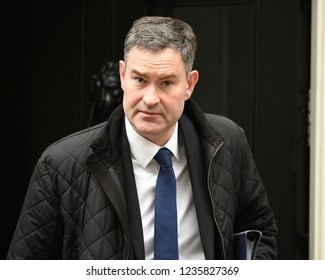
x: 146, y: 75
x: 138, y: 73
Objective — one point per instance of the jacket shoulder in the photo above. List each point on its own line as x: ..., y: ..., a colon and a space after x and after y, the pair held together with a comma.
x: 224, y: 126
x: 75, y: 146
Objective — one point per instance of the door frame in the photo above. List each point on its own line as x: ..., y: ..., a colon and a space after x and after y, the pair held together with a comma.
x: 317, y: 133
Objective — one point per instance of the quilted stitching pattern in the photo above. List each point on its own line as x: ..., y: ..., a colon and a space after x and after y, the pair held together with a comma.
x: 64, y: 200
x: 68, y: 215
x: 238, y: 192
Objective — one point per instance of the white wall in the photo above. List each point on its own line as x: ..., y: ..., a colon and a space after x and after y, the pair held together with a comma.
x: 317, y: 133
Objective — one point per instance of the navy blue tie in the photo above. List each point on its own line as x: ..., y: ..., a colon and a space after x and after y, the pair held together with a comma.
x: 165, y: 240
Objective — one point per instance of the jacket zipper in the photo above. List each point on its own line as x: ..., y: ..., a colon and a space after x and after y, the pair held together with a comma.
x: 213, y: 205
x: 127, y: 245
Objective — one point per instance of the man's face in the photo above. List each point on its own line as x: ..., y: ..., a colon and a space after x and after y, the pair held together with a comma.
x: 155, y: 89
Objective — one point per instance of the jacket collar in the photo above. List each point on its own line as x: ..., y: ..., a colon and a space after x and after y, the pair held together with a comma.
x: 103, y: 145
x: 111, y: 137
x: 195, y: 114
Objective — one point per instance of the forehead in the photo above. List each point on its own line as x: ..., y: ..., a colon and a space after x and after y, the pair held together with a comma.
x: 143, y: 60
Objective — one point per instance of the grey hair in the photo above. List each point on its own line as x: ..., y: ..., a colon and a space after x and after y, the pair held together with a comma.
x: 155, y: 33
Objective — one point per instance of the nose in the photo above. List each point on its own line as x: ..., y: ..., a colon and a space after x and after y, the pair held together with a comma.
x: 150, y: 96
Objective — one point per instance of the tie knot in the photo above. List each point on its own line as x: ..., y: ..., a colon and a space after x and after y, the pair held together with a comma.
x: 163, y: 157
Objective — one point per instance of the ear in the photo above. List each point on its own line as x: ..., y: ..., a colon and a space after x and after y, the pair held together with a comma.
x: 192, y: 79
x: 122, y: 72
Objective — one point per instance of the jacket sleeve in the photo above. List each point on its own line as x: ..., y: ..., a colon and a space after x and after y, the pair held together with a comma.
x: 254, y: 211
x: 38, y: 234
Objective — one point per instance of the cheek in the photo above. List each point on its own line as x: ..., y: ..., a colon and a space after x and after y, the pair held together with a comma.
x: 175, y: 108
x: 130, y: 99
x: 127, y: 101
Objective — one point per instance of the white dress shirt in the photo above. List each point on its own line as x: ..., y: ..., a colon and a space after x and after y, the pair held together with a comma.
x: 146, y: 171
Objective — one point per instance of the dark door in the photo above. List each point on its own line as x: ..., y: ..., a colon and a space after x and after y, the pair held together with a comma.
x: 253, y: 59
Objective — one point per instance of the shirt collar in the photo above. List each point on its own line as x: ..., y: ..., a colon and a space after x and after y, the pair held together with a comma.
x: 143, y: 150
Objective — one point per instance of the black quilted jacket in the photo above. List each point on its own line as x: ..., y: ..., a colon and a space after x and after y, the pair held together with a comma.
x: 75, y: 207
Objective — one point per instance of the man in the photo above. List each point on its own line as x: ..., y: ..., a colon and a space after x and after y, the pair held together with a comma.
x: 92, y: 194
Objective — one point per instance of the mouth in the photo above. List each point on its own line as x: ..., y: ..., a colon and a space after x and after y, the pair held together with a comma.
x: 150, y: 113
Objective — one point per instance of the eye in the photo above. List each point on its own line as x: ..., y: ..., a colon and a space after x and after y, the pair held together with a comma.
x: 139, y: 80
x: 167, y: 83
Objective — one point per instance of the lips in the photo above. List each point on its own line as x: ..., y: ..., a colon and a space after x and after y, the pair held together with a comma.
x: 150, y: 113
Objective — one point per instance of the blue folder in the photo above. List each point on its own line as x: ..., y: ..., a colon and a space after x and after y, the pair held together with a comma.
x: 246, y: 243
